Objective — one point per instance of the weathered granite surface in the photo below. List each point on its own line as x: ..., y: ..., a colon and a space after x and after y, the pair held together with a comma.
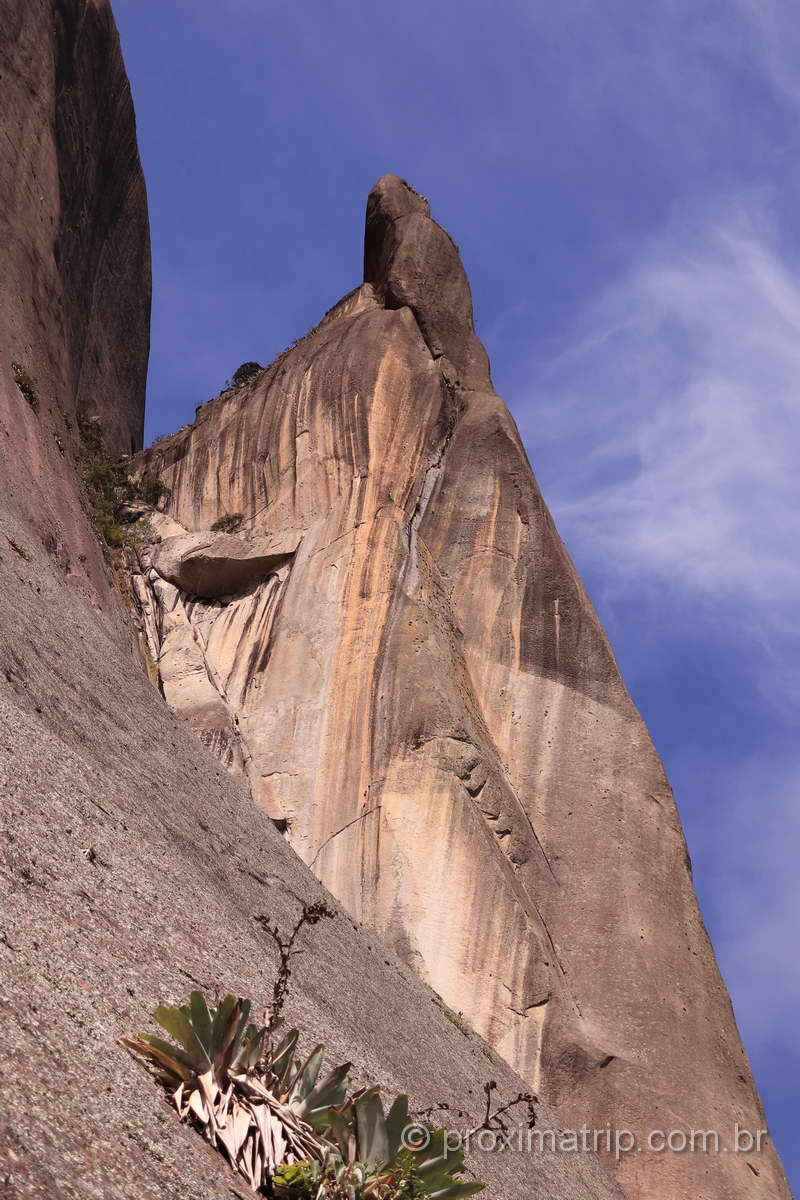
x: 394, y: 655
x: 74, y: 273
x: 183, y: 863
x: 73, y: 216
x: 132, y: 866
x: 422, y: 697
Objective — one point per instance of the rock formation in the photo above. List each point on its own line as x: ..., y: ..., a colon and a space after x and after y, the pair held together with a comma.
x: 75, y: 273
x: 132, y: 866
x: 393, y: 657
x: 418, y: 692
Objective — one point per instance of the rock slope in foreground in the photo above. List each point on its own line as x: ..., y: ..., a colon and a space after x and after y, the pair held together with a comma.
x: 90, y: 756
x: 419, y: 693
x: 184, y: 863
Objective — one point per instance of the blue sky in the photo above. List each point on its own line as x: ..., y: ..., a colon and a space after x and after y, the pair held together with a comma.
x: 623, y: 183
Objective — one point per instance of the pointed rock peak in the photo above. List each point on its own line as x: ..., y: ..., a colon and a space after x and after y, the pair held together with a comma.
x: 393, y: 197
x: 412, y: 263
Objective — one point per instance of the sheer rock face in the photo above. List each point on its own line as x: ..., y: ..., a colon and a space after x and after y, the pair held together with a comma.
x: 421, y: 695
x: 102, y: 246
x: 76, y: 285
x: 132, y: 867
x: 74, y: 273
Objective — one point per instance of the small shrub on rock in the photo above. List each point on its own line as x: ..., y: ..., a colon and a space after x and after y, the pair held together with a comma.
x: 110, y: 487
x: 26, y: 386
x: 245, y: 373
x: 227, y: 523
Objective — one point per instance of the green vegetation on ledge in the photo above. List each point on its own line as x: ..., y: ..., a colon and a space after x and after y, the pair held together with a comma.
x: 110, y: 487
x: 228, y: 523
x: 245, y: 373
x: 26, y: 386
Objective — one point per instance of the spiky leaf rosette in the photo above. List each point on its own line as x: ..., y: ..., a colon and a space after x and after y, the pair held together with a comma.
x: 282, y: 1125
x: 254, y: 1101
x: 369, y: 1158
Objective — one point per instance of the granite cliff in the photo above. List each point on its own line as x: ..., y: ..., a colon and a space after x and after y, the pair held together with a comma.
x: 394, y: 652
x: 395, y: 662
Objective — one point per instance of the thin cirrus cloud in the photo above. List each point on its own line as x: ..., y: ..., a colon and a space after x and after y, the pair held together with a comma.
x: 775, y: 45
x: 678, y: 396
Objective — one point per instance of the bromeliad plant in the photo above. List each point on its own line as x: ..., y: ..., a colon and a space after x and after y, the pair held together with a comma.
x: 254, y: 1101
x: 377, y: 1155
x: 288, y: 1133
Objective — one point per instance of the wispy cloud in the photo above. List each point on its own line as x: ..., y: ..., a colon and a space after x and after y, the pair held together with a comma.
x: 678, y: 394
x: 774, y: 43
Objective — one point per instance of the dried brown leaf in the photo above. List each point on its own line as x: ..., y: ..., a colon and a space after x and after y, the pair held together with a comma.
x: 198, y: 1107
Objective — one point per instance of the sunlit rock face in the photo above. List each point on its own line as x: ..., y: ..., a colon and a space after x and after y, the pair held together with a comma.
x: 132, y: 867
x: 418, y: 691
